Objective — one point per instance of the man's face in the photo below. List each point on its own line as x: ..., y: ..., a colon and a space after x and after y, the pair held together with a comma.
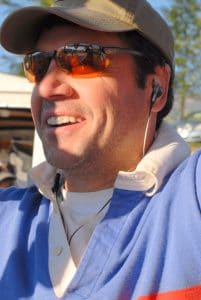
x: 108, y: 112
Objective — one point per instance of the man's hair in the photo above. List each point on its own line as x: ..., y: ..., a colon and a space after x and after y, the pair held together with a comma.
x: 146, y: 65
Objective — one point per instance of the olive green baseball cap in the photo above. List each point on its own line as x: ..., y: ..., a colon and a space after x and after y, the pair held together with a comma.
x: 20, y: 30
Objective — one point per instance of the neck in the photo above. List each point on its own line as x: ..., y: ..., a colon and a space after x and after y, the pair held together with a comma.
x: 94, y: 179
x: 88, y: 183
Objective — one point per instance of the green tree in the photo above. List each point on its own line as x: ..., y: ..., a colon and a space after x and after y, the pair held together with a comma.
x: 13, y: 3
x: 184, y: 17
x: 46, y: 2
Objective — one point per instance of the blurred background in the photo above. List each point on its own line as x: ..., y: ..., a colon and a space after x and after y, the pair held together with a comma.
x: 19, y: 146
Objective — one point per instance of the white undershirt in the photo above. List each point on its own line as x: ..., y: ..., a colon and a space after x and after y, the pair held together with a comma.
x: 80, y: 209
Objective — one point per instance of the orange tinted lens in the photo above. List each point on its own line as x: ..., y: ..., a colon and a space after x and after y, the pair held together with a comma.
x: 81, y: 64
x: 85, y: 71
x: 36, y: 66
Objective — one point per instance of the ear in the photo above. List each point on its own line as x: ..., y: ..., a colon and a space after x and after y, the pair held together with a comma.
x: 161, y: 78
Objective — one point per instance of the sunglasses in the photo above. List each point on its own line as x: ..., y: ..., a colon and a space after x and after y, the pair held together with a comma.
x: 79, y: 60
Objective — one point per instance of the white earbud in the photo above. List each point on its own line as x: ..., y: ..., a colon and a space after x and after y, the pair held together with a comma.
x: 156, y: 92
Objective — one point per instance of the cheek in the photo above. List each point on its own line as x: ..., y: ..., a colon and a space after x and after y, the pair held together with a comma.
x: 112, y: 101
x: 131, y: 107
x: 98, y: 95
x: 35, y: 107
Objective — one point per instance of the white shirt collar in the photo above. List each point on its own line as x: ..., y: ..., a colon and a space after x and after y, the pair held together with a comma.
x: 166, y: 153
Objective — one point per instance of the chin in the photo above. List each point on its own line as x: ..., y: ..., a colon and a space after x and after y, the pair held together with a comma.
x: 62, y: 161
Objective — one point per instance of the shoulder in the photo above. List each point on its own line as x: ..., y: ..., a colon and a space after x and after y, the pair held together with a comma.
x: 15, y: 193
x: 197, y: 173
x: 183, y: 185
x: 15, y: 198
x: 190, y: 169
x: 21, y: 207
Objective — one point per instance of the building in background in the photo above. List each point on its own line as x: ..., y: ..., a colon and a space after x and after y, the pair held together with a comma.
x: 17, y: 128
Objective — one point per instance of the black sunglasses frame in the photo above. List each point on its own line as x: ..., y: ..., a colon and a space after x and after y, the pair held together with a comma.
x: 75, y: 49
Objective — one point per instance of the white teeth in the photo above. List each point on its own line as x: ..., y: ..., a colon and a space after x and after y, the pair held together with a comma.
x: 72, y: 119
x: 61, y: 120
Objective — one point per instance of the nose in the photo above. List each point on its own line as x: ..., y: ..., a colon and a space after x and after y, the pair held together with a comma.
x: 55, y: 85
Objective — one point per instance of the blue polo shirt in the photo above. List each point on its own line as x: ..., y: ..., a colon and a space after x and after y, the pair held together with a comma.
x: 145, y: 248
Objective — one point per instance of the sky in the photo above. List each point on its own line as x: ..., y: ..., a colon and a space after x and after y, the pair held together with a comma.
x: 3, y: 12
x: 157, y: 3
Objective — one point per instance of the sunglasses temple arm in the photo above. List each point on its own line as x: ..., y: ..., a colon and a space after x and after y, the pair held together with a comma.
x: 115, y: 50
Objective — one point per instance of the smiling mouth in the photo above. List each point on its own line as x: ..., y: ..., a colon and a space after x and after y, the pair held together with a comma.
x: 63, y: 121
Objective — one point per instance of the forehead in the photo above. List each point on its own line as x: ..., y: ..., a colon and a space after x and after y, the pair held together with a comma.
x: 59, y: 35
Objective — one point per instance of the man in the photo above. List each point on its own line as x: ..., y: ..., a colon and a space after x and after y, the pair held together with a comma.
x: 103, y: 218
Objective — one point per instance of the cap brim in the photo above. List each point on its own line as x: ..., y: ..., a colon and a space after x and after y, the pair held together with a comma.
x: 20, y: 31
